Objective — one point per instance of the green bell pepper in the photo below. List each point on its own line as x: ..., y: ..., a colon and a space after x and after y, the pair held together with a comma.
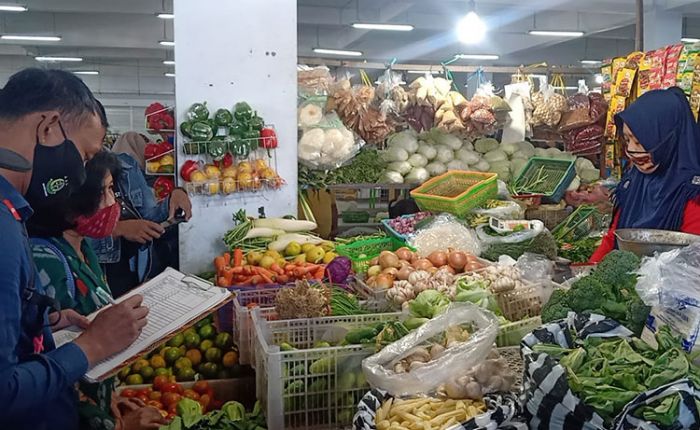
x: 185, y: 129
x: 201, y: 131
x: 239, y: 148
x: 252, y: 138
x: 242, y: 112
x: 198, y: 112
x: 217, y: 147
x: 223, y: 117
x: 236, y: 129
x: 256, y: 123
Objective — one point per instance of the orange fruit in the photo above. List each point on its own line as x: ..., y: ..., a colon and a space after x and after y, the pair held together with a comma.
x: 230, y: 359
x: 157, y: 362
x: 195, y: 356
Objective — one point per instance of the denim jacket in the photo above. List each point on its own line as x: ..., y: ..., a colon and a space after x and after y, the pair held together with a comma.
x: 133, y: 184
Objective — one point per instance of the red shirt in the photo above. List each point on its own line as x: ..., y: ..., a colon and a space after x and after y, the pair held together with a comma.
x: 691, y: 224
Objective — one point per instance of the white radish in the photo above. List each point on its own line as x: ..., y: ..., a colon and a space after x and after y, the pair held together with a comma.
x: 289, y: 225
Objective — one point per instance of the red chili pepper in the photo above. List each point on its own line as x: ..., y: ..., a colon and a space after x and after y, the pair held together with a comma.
x: 188, y: 167
x: 268, y: 138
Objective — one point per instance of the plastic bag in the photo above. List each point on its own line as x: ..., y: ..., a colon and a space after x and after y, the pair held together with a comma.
x: 311, y: 111
x: 327, y: 145
x: 538, y: 270
x: 445, y: 231
x: 671, y: 278
x: 393, y: 99
x: 313, y: 80
x: 457, y: 359
x: 510, y: 211
x: 517, y: 237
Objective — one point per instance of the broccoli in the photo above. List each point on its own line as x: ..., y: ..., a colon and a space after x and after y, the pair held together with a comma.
x: 617, y: 269
x: 589, y: 294
x: 636, y: 315
x: 557, y: 307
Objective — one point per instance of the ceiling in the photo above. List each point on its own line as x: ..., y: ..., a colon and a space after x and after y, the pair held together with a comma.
x: 120, y: 38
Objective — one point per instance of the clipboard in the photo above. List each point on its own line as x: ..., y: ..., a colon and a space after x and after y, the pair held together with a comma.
x: 175, y: 301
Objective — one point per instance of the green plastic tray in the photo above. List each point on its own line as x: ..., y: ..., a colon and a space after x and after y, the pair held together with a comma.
x: 559, y: 174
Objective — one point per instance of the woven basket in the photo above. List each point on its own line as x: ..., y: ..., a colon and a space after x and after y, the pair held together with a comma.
x: 456, y: 192
x: 551, y: 217
x: 520, y: 303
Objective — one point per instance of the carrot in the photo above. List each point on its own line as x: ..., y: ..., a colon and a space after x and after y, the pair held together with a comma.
x: 239, y: 270
x: 228, y: 275
x: 227, y: 258
x: 282, y: 279
x: 252, y: 305
x: 221, y: 282
x: 256, y: 279
x: 301, y: 271
x: 219, y: 264
x: 237, y: 257
x: 277, y: 269
x: 289, y: 267
x: 248, y: 270
x: 319, y: 273
x: 265, y: 274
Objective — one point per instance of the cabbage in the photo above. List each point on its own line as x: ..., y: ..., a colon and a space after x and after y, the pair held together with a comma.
x: 495, y: 155
x: 428, y: 304
x: 469, y: 157
x: 510, y: 148
x: 589, y: 175
x: 391, y: 177
x: 449, y: 140
x: 516, y: 165
x: 427, y: 150
x: 436, y: 168
x: 457, y: 165
x: 541, y: 152
x: 402, y: 167
x: 406, y: 140
x: 395, y: 154
x: 417, y: 175
x: 445, y: 154
x: 468, y: 146
x: 417, y: 160
x: 522, y: 155
x: 566, y: 156
x: 502, y: 168
x: 482, y: 166
x: 527, y: 148
x: 486, y: 144
x: 553, y: 152
x: 583, y: 164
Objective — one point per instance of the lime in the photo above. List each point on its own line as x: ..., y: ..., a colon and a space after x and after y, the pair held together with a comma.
x: 185, y: 374
x: 209, y: 370
x: 207, y: 332
x: 206, y: 321
x: 172, y: 354
x: 192, y: 339
x: 183, y: 363
x: 177, y: 340
x: 206, y: 344
x: 161, y: 371
x: 124, y: 372
x: 223, y: 340
x: 134, y: 379
x: 157, y: 362
x: 213, y: 355
x: 147, y: 373
x: 190, y: 330
x: 139, y: 364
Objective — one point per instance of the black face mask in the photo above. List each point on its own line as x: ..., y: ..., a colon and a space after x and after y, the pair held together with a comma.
x: 57, y: 172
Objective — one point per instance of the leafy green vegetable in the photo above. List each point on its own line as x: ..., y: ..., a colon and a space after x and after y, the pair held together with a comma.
x: 663, y: 411
x: 233, y: 410
x: 557, y: 307
x: 428, y: 304
x: 190, y: 411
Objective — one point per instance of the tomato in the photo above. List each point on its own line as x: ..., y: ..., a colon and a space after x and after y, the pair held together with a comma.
x: 159, y: 381
x: 171, y: 387
x: 205, y: 400
x: 155, y: 395
x: 144, y: 398
x: 155, y: 403
x: 191, y: 394
x: 145, y: 391
x: 201, y: 387
x: 169, y: 399
x: 127, y: 393
x: 172, y: 409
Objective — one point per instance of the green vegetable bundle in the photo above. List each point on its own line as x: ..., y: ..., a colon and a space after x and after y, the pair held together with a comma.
x: 608, y: 373
x: 609, y: 290
x: 231, y: 416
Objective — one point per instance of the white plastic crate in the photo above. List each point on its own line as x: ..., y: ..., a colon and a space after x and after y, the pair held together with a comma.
x: 296, y: 389
x: 243, y: 334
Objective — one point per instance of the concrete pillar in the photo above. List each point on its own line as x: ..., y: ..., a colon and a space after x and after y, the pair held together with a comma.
x: 661, y: 27
x: 225, y: 52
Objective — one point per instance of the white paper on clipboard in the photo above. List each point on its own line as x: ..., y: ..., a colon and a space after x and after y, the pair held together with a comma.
x: 173, y: 299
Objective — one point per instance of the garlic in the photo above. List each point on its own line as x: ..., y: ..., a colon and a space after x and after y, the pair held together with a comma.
x: 417, y: 276
x: 399, y: 367
x: 436, y: 351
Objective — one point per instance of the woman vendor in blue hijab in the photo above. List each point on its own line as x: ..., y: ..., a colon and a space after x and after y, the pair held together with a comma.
x: 661, y: 189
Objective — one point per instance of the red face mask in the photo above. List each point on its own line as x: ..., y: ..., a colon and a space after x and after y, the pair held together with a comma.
x: 99, y: 225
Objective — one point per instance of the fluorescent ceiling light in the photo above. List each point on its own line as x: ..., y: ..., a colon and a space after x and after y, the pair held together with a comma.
x: 31, y: 38
x: 337, y: 52
x: 477, y: 57
x: 423, y: 72
x: 169, y: 75
x: 598, y: 79
x: 86, y: 72
x: 556, y: 33
x: 167, y: 43
x: 690, y: 39
x: 169, y: 62
x: 12, y: 8
x: 591, y: 62
x: 471, y: 29
x: 58, y: 59
x: 565, y: 88
x: 166, y: 15
x: 385, y: 27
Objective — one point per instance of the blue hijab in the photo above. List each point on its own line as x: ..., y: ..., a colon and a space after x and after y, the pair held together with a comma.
x: 664, y: 125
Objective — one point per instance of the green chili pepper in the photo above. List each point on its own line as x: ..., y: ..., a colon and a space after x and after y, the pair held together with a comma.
x: 223, y: 117
x: 201, y: 131
x: 185, y: 129
x: 242, y: 112
x: 198, y: 112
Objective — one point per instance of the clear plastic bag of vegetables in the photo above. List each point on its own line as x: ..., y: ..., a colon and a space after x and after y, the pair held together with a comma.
x: 328, y: 144
x: 450, y: 344
x: 313, y: 80
x: 445, y: 231
x: 311, y: 110
x: 670, y: 279
x: 392, y: 97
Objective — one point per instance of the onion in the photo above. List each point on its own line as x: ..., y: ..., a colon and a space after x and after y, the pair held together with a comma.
x: 383, y: 281
x: 404, y: 263
x: 388, y: 259
x: 438, y: 258
x: 374, y: 270
x: 422, y: 264
x: 374, y: 261
x: 457, y: 260
x: 404, y: 273
x: 404, y: 253
x: 391, y: 271
x: 471, y: 267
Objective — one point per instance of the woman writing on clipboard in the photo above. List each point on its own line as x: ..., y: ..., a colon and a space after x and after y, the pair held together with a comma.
x: 69, y: 269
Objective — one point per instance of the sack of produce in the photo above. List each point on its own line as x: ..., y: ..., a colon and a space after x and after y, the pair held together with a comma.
x: 379, y: 411
x: 586, y: 372
x: 447, y: 346
x: 445, y: 231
